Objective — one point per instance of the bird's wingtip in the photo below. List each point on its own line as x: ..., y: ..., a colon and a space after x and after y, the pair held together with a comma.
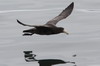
x: 72, y: 4
x: 20, y: 22
x: 17, y: 20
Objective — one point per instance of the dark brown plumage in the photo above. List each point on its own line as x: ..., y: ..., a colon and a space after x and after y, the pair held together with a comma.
x: 50, y: 27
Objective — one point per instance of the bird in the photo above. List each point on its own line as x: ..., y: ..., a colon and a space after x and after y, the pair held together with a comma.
x: 50, y: 27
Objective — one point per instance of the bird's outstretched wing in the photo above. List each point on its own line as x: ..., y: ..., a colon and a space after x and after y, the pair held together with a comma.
x: 65, y: 13
x: 36, y: 26
x: 27, y: 24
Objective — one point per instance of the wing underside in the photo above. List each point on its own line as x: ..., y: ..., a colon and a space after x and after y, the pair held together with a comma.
x: 65, y: 13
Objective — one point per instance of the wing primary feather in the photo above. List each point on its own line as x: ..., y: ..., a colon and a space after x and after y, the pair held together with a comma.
x: 65, y: 13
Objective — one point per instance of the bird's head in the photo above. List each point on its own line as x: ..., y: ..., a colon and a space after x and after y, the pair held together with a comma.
x: 63, y: 30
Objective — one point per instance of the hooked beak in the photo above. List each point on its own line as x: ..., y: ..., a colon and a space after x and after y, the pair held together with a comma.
x: 66, y: 32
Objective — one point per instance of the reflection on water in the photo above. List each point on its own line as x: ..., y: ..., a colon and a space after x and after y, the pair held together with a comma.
x: 83, y: 25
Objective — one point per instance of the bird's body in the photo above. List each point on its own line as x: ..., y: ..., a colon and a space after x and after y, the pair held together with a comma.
x: 43, y: 30
x: 50, y: 27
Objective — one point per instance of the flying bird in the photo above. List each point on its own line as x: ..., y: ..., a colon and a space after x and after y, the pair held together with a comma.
x: 50, y: 27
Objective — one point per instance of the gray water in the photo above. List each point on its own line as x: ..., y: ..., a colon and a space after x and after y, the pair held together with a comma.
x: 83, y: 26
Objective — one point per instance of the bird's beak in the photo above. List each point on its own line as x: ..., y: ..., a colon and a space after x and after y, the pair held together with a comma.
x: 65, y: 32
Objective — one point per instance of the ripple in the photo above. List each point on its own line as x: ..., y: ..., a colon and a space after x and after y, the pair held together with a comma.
x: 10, y: 11
x: 89, y: 10
x: 80, y: 10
